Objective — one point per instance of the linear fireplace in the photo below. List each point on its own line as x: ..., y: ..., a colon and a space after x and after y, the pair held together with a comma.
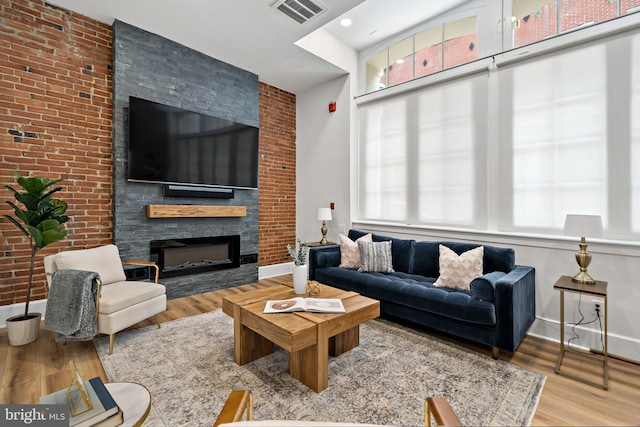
x: 179, y: 257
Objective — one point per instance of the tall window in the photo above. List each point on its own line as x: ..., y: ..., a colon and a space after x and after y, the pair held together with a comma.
x: 513, y: 147
x: 635, y: 133
x: 559, y: 122
x: 383, y: 153
x: 419, y: 155
x: 447, y: 148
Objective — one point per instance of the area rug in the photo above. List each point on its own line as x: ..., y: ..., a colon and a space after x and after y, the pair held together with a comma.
x: 188, y: 367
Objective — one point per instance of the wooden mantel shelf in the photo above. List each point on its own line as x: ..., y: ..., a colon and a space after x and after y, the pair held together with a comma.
x: 194, y: 211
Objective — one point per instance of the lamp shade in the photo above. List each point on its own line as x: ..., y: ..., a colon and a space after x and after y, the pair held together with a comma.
x: 324, y: 214
x: 583, y: 225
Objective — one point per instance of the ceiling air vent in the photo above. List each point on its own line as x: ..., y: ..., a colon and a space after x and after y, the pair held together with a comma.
x: 300, y: 11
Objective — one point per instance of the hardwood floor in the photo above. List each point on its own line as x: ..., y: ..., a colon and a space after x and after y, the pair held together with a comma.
x: 29, y: 371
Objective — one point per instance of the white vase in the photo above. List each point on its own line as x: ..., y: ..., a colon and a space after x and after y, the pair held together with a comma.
x: 300, y: 279
x: 23, y: 331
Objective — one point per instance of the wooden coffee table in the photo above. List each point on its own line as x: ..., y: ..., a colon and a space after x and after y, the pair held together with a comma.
x: 308, y: 337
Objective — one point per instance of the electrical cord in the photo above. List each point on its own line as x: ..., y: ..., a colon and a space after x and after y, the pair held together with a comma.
x: 600, y: 324
x: 581, y: 322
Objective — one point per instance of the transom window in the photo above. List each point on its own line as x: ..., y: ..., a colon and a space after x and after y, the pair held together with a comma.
x: 442, y: 46
x: 434, y: 49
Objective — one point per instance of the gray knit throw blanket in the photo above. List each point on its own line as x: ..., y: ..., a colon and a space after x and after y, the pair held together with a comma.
x: 71, y: 306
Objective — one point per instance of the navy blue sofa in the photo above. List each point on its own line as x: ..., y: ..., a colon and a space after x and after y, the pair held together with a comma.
x: 497, y: 311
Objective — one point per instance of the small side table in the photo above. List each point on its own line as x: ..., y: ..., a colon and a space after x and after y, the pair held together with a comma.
x: 316, y: 244
x: 599, y: 289
x: 133, y: 399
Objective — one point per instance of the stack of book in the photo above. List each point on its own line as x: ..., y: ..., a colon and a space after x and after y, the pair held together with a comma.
x: 104, y: 413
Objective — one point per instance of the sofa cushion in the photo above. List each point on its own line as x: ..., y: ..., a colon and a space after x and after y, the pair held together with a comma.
x: 401, y: 249
x: 120, y: 295
x: 498, y: 259
x: 457, y: 271
x: 426, y: 254
x: 350, y: 251
x: 411, y: 290
x: 484, y: 287
x: 425, y: 259
x: 375, y: 256
x: 104, y: 260
x: 356, y: 234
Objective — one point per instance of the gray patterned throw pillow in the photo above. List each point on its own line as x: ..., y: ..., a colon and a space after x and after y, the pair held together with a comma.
x: 375, y: 256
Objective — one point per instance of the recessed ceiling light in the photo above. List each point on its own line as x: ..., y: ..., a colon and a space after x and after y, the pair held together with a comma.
x: 345, y: 22
x: 400, y: 61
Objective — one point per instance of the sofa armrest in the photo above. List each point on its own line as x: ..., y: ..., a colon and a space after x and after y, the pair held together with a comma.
x: 323, y: 256
x: 515, y: 301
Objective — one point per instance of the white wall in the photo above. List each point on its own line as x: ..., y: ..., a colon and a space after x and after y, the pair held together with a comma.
x: 323, y: 159
x: 325, y: 142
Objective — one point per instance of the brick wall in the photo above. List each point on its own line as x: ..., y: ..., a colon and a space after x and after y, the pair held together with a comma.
x: 277, y: 204
x: 56, y: 121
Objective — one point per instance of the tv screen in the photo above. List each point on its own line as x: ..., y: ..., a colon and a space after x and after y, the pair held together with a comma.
x: 175, y: 146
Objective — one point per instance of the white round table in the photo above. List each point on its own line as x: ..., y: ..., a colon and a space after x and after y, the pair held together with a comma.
x: 133, y: 399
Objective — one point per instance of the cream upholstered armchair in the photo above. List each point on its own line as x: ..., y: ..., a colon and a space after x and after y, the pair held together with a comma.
x: 122, y: 303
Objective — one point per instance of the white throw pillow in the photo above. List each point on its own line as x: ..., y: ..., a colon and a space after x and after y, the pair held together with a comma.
x: 458, y: 271
x: 350, y: 252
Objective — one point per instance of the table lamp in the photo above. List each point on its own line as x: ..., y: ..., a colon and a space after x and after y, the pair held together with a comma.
x: 324, y: 215
x: 581, y: 226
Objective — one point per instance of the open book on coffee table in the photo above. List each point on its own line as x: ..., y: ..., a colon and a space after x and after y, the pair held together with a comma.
x: 317, y: 305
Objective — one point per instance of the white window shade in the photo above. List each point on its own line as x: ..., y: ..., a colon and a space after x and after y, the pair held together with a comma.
x: 513, y: 149
x: 451, y: 146
x: 383, y: 165
x: 422, y: 155
x: 558, y: 140
x: 635, y: 133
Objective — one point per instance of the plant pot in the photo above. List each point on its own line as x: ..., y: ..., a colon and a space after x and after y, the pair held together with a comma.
x: 300, y: 279
x: 23, y: 330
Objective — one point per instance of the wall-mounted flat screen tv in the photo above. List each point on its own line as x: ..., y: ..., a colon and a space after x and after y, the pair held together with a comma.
x: 175, y: 146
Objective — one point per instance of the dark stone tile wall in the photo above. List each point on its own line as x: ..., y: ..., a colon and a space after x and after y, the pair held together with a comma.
x: 151, y: 67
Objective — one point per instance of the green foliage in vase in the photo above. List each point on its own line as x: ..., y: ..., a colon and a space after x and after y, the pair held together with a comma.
x: 300, y: 255
x: 41, y: 218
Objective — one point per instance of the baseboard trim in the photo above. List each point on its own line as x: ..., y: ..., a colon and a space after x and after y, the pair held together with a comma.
x: 275, y: 270
x: 6, y: 311
x: 620, y: 347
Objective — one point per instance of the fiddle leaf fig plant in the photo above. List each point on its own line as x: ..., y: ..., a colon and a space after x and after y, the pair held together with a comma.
x: 40, y: 219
